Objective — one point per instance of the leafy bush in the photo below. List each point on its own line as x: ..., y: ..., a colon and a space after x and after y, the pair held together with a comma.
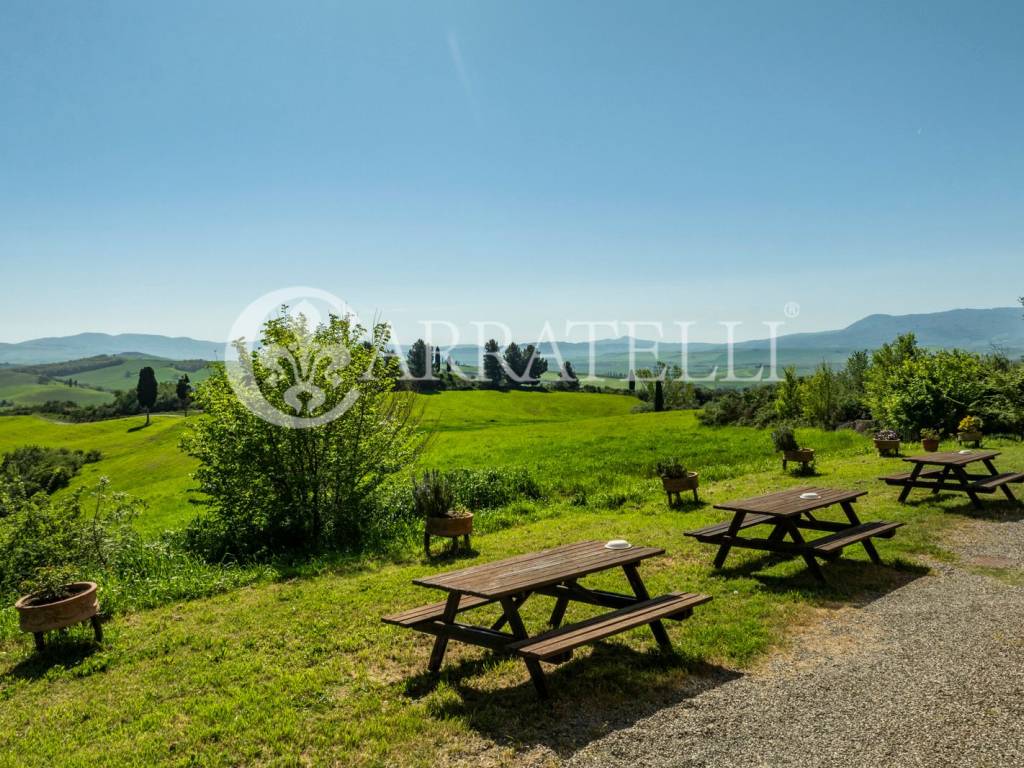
x: 88, y: 535
x: 784, y: 440
x: 750, y: 407
x: 40, y: 533
x: 41, y: 469
x: 930, y: 434
x: 272, y: 489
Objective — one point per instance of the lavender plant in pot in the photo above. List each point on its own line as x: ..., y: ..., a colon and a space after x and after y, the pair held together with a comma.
x: 434, y: 500
x: 784, y: 440
x: 676, y: 478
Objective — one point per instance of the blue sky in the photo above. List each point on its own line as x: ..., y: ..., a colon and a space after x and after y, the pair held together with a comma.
x: 162, y: 165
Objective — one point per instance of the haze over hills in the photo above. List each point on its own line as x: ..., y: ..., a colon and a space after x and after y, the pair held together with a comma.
x: 57, y: 349
x: 978, y: 330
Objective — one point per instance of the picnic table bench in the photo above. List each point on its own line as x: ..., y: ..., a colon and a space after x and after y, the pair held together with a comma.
x: 551, y: 573
x: 949, y: 473
x: 788, y: 513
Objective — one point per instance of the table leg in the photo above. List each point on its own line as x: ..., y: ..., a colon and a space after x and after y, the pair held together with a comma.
x: 1005, y: 488
x: 637, y: 584
x: 515, y: 623
x: 734, y: 529
x: 940, y: 484
x: 965, y: 484
x: 451, y: 610
x: 504, y: 618
x: 808, y: 556
x: 561, y: 604
x: 914, y: 473
x: 869, y: 547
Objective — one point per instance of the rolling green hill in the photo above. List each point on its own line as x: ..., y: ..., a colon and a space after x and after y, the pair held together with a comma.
x: 125, y: 374
x: 24, y: 389
x: 574, y: 442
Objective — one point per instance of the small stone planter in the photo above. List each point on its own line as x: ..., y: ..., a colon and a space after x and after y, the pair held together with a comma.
x: 803, y: 456
x: 449, y: 528
x: 888, y: 447
x: 39, y: 618
x: 969, y: 437
x: 930, y: 446
x: 674, y: 486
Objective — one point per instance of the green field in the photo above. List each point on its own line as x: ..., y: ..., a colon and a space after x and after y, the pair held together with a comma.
x: 299, y: 671
x: 25, y: 389
x: 571, y: 441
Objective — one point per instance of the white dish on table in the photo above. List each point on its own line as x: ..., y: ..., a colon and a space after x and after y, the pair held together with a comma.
x: 810, y: 496
x: 618, y: 544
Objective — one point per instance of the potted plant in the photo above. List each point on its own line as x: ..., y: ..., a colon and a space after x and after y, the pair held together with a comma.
x: 887, y: 441
x: 54, y: 600
x: 969, y: 430
x: 930, y: 439
x: 434, y: 500
x: 675, y: 479
x: 785, y: 443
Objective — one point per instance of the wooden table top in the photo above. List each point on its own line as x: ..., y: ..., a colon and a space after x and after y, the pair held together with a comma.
x: 788, y: 503
x: 952, y: 458
x: 523, y: 573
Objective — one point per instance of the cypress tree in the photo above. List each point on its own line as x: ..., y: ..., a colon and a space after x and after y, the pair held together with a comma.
x: 145, y: 390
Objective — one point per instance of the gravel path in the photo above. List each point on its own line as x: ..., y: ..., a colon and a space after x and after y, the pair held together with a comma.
x: 929, y: 675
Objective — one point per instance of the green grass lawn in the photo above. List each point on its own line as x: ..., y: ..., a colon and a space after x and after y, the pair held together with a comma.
x: 301, y: 672
x: 25, y: 389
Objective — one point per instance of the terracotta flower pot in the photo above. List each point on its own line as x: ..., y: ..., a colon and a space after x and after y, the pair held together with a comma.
x: 448, y: 527
x: 675, y: 485
x: 38, y: 617
x: 930, y: 446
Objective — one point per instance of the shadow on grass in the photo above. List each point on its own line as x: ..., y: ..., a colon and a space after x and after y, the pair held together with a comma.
x: 688, y: 505
x: 608, y: 688
x: 137, y: 428
x: 847, y: 582
x: 63, y: 653
x: 996, y: 509
x: 801, y: 472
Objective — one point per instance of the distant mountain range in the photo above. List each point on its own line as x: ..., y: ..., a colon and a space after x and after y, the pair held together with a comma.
x: 978, y: 330
x: 57, y: 349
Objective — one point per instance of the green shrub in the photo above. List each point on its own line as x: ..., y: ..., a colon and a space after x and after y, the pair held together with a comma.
x: 88, y: 536
x: 273, y: 490
x: 43, y: 470
x: 490, y: 488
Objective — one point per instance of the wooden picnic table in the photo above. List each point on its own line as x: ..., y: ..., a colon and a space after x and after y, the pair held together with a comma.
x: 550, y: 573
x: 950, y: 474
x: 786, y: 513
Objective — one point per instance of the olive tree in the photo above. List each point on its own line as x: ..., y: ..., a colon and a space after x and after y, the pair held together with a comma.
x: 306, y: 481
